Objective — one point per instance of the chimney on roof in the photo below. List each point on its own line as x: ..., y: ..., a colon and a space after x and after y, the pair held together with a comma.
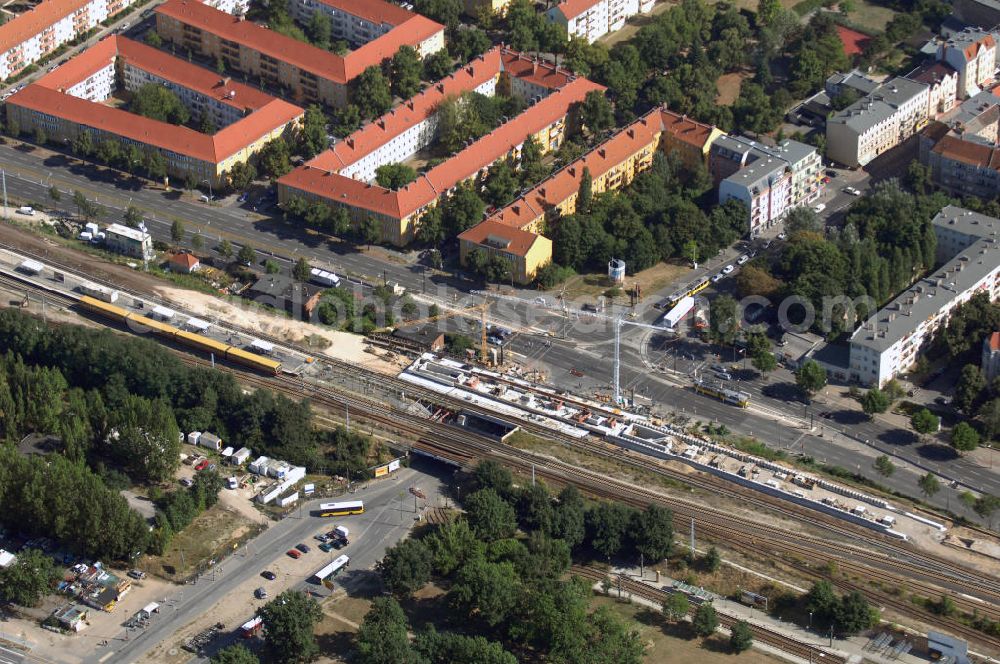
x: 601, y: 152
x: 350, y: 143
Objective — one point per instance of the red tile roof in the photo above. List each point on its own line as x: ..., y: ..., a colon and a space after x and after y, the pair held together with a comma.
x: 375, y: 11
x: 967, y: 152
x: 932, y: 73
x: 573, y: 8
x: 522, y: 66
x: 321, y: 63
x: 973, y: 49
x: 46, y: 96
x: 551, y: 192
x: 186, y: 261
x: 517, y: 242
x: 25, y: 26
x: 317, y: 176
x: 409, y: 113
x: 995, y: 341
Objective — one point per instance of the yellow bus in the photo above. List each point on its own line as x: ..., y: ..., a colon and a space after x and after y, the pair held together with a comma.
x: 342, y: 509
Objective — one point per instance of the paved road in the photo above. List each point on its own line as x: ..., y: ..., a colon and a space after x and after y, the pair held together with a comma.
x: 381, y: 526
x: 8, y: 656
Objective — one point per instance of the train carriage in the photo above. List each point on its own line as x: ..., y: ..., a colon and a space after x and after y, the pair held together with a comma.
x: 103, y: 308
x: 202, y: 343
x: 138, y: 323
x: 252, y: 360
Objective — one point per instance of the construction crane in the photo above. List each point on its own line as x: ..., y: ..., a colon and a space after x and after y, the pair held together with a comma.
x: 625, y: 318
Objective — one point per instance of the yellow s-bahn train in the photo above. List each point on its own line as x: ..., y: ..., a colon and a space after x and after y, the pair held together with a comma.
x: 140, y: 324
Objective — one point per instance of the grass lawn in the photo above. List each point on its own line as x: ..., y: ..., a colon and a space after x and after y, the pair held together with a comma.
x: 211, y: 535
x: 633, y: 24
x: 870, y: 15
x: 669, y: 642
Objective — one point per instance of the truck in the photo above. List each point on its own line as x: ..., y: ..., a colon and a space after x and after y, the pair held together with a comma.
x: 678, y: 312
x: 26, y: 210
x: 341, y: 533
x: 252, y: 627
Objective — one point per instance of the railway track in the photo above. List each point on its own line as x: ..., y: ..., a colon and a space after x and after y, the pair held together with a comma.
x: 805, y: 553
x: 761, y: 634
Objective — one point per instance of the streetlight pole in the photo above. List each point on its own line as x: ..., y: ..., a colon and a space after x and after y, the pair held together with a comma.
x: 209, y: 183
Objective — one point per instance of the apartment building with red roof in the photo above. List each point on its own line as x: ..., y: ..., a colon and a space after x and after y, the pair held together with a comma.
x: 991, y: 357
x: 30, y: 36
x: 342, y: 176
x: 310, y: 73
x: 592, y: 19
x: 612, y: 165
x: 973, y: 54
x: 71, y: 100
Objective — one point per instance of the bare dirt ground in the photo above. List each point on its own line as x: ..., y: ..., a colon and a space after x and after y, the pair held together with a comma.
x: 728, y: 86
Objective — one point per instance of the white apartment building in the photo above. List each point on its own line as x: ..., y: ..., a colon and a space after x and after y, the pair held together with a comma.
x: 770, y: 180
x: 878, y: 122
x: 30, y: 36
x: 592, y: 19
x: 234, y: 7
x: 973, y: 54
x: 129, y: 241
x: 359, y: 22
x: 942, y: 80
x: 888, y: 343
x: 98, y: 86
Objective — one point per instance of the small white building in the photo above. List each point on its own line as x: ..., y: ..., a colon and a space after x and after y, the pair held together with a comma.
x: 194, y: 437
x: 240, y: 456
x: 7, y: 558
x: 259, y: 465
x: 210, y: 441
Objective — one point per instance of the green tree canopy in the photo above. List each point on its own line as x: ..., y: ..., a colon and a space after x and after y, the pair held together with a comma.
x: 489, y: 515
x: 964, y: 438
x: 924, y: 421
x: 28, y: 578
x: 405, y: 69
x: 383, y: 638
x: 289, y: 621
x: 705, y: 620
x: 811, y: 377
x: 394, y: 176
x: 406, y: 567
x: 740, y: 636
x: 372, y: 93
x: 235, y: 654
x: 159, y: 103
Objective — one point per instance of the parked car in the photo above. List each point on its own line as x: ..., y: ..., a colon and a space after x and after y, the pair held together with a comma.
x: 137, y: 574
x: 292, y: 553
x: 852, y: 191
x: 269, y: 575
x: 260, y: 593
x: 831, y: 173
x: 322, y: 537
x: 782, y: 236
x: 302, y: 547
x: 742, y: 259
x: 186, y: 482
x: 728, y: 269
x: 716, y: 278
x: 326, y: 547
x: 202, y: 465
x: 819, y: 208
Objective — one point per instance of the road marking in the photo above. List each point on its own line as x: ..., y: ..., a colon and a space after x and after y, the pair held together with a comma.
x: 106, y: 657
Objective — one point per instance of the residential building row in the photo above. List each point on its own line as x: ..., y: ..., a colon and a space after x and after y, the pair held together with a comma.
x: 30, y: 36
x: 375, y: 29
x: 961, y: 155
x: 72, y: 100
x: 888, y: 114
x: 990, y: 363
x: 615, y: 163
x: 888, y: 343
x: 592, y: 19
x: 342, y: 176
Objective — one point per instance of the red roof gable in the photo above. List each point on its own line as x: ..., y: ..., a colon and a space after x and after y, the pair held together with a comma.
x: 516, y: 241
x: 187, y: 261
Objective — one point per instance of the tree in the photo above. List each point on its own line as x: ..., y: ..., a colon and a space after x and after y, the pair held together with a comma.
x: 302, y: 270
x: 320, y: 30
x: 606, y: 527
x: 500, y: 183
x: 652, y: 532
x: 811, y: 377
x: 596, y: 112
x: 970, y: 384
x: 854, y: 614
x: 246, y: 255
x: 764, y: 362
x: 986, y: 505
x: 289, y: 621
x: 275, y: 158
x: 346, y: 121
x: 177, y: 231
x: 929, y: 485
x: 568, y: 516
x: 234, y: 654
x: 271, y: 267
x: 534, y: 508
x: 690, y: 251
x: 196, y: 242
x: 767, y: 11
x: 884, y: 466
x: 874, y: 401
x: 371, y: 230
x: 134, y: 217
x: 442, y: 11
x: 225, y: 249
x: 490, y: 516
x: 585, y: 193
x: 989, y: 415
x: 821, y: 601
x: 154, y: 39
x: 242, y: 175
x: 405, y: 69
x: 740, y: 636
x: 155, y: 165
x: 712, y: 560
x: 803, y: 219
x: 705, y: 620
x: 467, y: 44
x: 372, y: 93
x: 382, y: 637
x: 438, y: 65
x: 312, y: 135
x: 430, y: 229
x: 451, y: 648
x: 722, y: 322
x: 394, y: 176
x: 924, y: 421
x: 462, y: 210
x: 452, y: 545
x: 676, y: 606
x: 964, y: 438
x: 55, y: 194
x: 88, y: 209
x: 490, y: 590
x: 159, y: 103
x: 28, y: 579
x: 406, y: 567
